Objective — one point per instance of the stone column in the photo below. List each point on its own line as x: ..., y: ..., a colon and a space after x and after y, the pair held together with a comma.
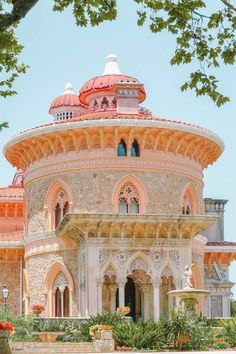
x: 146, y: 306
x: 99, y: 295
x: 62, y: 303
x: 156, y: 298
x: 121, y: 286
x: 226, y: 306
x: 178, y: 285
x: 113, y: 289
x: 52, y: 308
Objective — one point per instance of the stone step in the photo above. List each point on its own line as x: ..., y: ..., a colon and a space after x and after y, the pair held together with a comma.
x: 47, y: 348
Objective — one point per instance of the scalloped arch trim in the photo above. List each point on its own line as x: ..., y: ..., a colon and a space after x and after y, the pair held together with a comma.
x: 53, y: 189
x: 52, y: 273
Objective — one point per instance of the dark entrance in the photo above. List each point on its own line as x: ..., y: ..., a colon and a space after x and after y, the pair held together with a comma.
x: 130, y: 296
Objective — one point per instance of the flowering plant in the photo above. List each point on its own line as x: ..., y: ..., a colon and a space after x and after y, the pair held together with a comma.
x: 38, y: 307
x: 6, y: 326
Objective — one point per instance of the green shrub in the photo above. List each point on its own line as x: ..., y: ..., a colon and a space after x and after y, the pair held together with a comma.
x: 229, y: 331
x: 220, y: 345
x: 140, y: 335
x: 201, y: 339
x: 188, y: 331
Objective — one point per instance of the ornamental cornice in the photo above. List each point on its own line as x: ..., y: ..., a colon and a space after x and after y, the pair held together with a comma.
x: 138, y: 226
x: 193, y: 142
x: 68, y: 162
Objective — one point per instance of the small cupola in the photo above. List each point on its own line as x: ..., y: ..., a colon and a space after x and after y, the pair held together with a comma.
x: 67, y: 105
x: 99, y: 92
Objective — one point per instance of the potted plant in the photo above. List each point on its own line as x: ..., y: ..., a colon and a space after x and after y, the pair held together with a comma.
x: 96, y: 331
x: 6, y: 329
x: 37, y: 309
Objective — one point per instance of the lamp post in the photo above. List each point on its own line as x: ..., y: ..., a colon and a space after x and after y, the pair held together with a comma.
x: 5, y: 294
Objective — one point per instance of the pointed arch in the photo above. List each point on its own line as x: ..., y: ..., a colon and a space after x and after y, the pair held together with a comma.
x: 139, y: 259
x: 54, y: 271
x: 138, y: 187
x: 168, y: 265
x: 52, y: 210
x: 189, y: 203
x: 56, y: 268
x: 108, y: 267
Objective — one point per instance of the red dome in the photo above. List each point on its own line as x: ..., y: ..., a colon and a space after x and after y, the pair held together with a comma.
x: 105, y: 83
x: 68, y: 99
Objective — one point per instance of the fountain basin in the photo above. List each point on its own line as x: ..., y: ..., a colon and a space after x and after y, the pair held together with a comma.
x: 189, y: 293
x: 189, y: 296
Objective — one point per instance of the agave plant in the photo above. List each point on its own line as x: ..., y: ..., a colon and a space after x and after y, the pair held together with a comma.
x: 229, y: 331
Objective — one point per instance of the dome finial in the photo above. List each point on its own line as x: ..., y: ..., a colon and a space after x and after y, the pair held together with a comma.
x: 68, y: 88
x: 111, y: 67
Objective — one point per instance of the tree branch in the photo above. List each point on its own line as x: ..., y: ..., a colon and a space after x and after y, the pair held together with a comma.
x: 20, y: 8
x: 228, y: 4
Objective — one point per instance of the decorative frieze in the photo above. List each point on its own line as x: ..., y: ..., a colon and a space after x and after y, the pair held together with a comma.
x: 121, y: 258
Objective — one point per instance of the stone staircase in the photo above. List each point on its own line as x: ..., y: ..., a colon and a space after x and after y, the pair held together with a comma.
x: 48, y: 348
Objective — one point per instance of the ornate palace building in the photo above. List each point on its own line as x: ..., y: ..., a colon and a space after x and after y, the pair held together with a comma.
x: 107, y: 208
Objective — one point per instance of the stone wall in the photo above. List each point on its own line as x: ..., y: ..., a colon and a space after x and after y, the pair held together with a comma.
x: 37, y: 268
x: 10, y: 276
x: 92, y: 193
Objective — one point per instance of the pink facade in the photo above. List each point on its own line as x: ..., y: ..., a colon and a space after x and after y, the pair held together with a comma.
x: 108, y: 209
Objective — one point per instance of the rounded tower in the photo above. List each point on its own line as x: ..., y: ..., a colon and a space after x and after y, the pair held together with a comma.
x: 114, y: 198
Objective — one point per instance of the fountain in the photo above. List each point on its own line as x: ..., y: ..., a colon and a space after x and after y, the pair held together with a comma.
x: 188, y: 295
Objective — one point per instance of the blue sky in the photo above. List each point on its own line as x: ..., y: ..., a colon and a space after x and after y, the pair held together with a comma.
x: 57, y: 52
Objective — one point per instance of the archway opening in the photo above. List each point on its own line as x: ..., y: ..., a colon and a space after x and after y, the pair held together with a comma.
x: 135, y: 151
x: 130, y: 297
x: 122, y: 149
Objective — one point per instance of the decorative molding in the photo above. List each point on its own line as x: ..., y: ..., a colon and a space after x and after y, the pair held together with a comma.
x: 129, y: 260
x: 183, y: 139
x: 49, y: 245
x: 67, y: 163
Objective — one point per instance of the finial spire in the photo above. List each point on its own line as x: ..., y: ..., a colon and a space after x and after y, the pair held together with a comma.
x: 68, y: 88
x: 111, y: 65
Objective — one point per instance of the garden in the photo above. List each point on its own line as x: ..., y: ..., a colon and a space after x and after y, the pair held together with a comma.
x: 180, y: 330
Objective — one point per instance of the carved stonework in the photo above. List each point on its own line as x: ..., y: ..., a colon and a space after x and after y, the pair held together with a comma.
x: 216, y: 272
x: 61, y: 282
x: 167, y: 273
x: 158, y: 258
x: 119, y: 257
x: 129, y: 192
x: 210, y: 272
x: 139, y: 264
x: 175, y: 258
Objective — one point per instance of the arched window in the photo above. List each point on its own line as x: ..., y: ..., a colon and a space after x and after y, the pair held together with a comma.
x: 122, y: 150
x: 61, y: 296
x: 61, y: 206
x: 104, y: 103
x: 135, y: 151
x: 123, y: 206
x: 186, y: 205
x: 189, y: 204
x: 128, y: 200
x: 134, y: 206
